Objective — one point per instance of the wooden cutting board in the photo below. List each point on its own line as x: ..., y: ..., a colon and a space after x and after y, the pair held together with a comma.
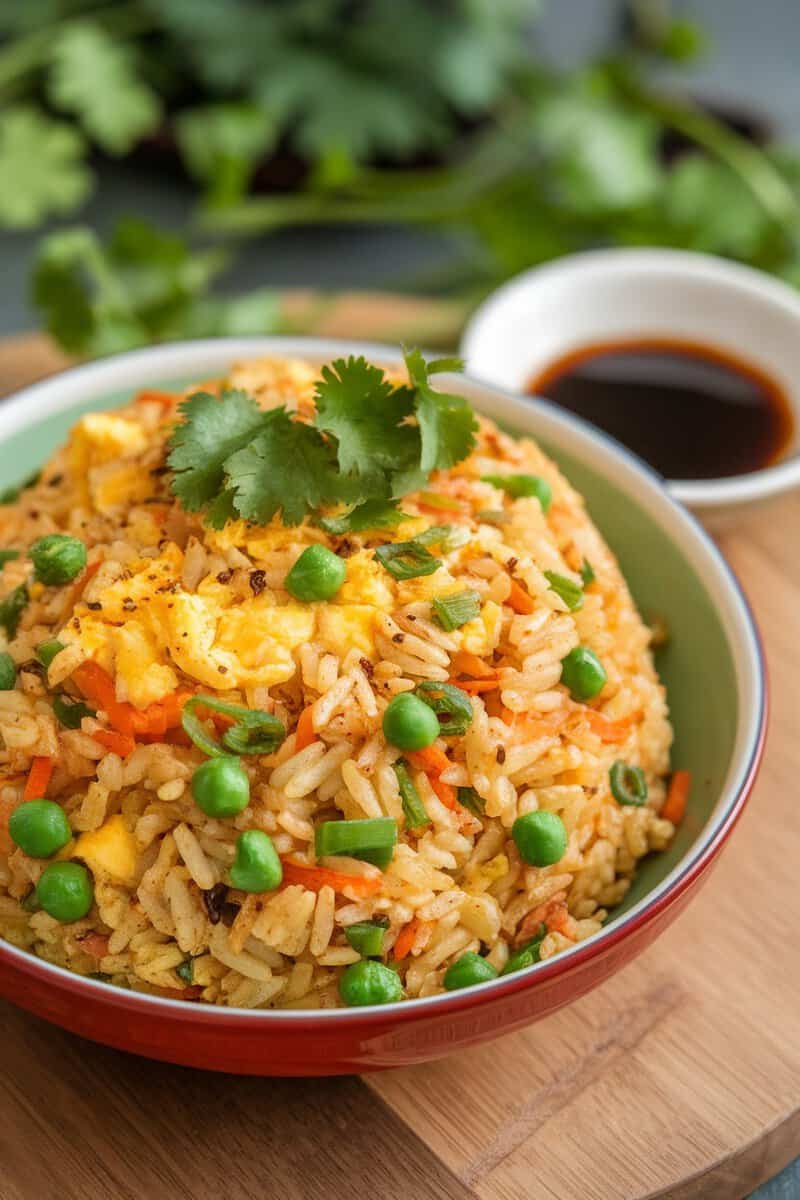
x: 680, y: 1077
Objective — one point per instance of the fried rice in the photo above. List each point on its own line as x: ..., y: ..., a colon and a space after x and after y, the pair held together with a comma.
x: 170, y: 606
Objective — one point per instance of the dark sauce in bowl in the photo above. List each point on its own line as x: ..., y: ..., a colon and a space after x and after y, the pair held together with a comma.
x: 691, y: 410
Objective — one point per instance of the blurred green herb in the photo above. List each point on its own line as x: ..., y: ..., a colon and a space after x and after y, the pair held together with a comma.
x: 437, y: 114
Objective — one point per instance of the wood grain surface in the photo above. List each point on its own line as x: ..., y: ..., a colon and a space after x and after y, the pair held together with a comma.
x: 678, y: 1078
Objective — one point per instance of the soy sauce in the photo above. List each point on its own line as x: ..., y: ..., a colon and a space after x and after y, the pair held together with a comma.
x: 691, y: 410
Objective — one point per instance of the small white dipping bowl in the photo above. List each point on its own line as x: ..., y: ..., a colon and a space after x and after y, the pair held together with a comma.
x: 542, y: 314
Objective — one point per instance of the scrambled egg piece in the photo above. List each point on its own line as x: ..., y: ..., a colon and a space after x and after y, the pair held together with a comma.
x: 110, y: 851
x: 367, y: 583
x: 482, y: 635
x: 99, y: 452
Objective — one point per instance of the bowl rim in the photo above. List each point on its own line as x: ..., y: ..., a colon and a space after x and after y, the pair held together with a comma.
x: 138, y: 368
x: 699, y: 494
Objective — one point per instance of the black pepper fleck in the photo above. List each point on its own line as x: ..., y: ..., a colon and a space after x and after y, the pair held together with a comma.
x: 225, y: 576
x: 214, y: 902
x: 94, y: 606
x: 500, y: 754
x: 258, y: 581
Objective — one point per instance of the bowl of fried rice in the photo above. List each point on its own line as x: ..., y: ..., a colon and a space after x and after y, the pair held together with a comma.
x: 351, y: 711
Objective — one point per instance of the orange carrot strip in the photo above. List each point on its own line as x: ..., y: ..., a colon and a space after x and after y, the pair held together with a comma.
x: 187, y: 993
x: 675, y: 804
x: 315, y: 878
x: 474, y: 687
x: 432, y: 760
x: 98, y: 686
x: 80, y: 585
x: 95, y: 944
x: 38, y: 778
x: 405, y: 940
x: 464, y: 662
x: 304, y: 733
x: 536, y: 916
x: 520, y: 600
x: 122, y: 744
x: 446, y: 793
x: 608, y: 730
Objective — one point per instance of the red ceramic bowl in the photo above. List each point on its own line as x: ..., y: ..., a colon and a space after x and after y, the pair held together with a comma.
x: 671, y: 564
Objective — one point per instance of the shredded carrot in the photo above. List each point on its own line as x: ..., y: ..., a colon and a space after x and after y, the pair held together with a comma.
x: 520, y: 600
x: 475, y: 687
x: 95, y: 944
x: 315, y: 878
x: 405, y: 940
x: 544, y: 912
x: 675, y: 804
x: 98, y: 686
x: 304, y: 733
x: 446, y: 793
x: 38, y: 778
x: 608, y: 730
x: 80, y: 585
x: 122, y: 744
x: 464, y: 662
x: 187, y: 993
x: 432, y: 760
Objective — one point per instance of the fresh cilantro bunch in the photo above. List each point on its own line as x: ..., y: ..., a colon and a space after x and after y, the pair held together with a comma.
x: 371, y: 442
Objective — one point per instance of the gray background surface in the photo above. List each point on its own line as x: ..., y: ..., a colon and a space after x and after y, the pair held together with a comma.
x: 752, y: 62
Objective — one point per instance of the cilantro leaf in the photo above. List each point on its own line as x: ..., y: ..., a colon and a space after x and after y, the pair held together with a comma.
x: 372, y: 514
x: 358, y: 405
x: 93, y: 75
x: 212, y: 430
x: 289, y: 468
x: 42, y: 167
x: 446, y: 422
x: 221, y: 145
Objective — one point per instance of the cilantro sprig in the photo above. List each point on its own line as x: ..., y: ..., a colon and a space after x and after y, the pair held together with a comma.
x: 371, y: 442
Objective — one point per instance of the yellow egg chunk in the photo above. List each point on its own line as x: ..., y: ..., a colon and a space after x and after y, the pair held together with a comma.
x: 115, y: 484
x: 482, y: 635
x: 343, y: 627
x: 99, y: 438
x: 110, y: 851
x: 261, y: 638
x: 367, y: 582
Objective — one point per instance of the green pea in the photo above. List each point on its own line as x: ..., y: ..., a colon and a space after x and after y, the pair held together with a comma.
x: 583, y: 673
x: 468, y: 970
x: 46, y: 651
x: 65, y: 891
x: 523, y: 485
x: 369, y: 982
x: 409, y: 723
x: 317, y: 575
x: 220, y: 787
x: 540, y: 837
x: 257, y: 867
x: 8, y: 672
x: 57, y: 558
x: 39, y: 827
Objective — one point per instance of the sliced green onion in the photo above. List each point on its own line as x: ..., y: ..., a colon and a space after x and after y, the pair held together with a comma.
x: 526, y: 955
x: 470, y: 799
x: 407, y: 560
x: 30, y: 903
x: 517, y: 486
x: 448, y: 702
x: 494, y: 516
x: 71, y: 712
x: 447, y: 537
x: 415, y: 813
x: 372, y: 840
x: 454, y: 611
x: 185, y: 970
x: 567, y: 589
x: 12, y: 608
x: 587, y: 573
x: 8, y: 556
x: 47, y: 651
x: 437, y: 500
x: 628, y: 784
x: 367, y: 936
x: 255, y: 731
